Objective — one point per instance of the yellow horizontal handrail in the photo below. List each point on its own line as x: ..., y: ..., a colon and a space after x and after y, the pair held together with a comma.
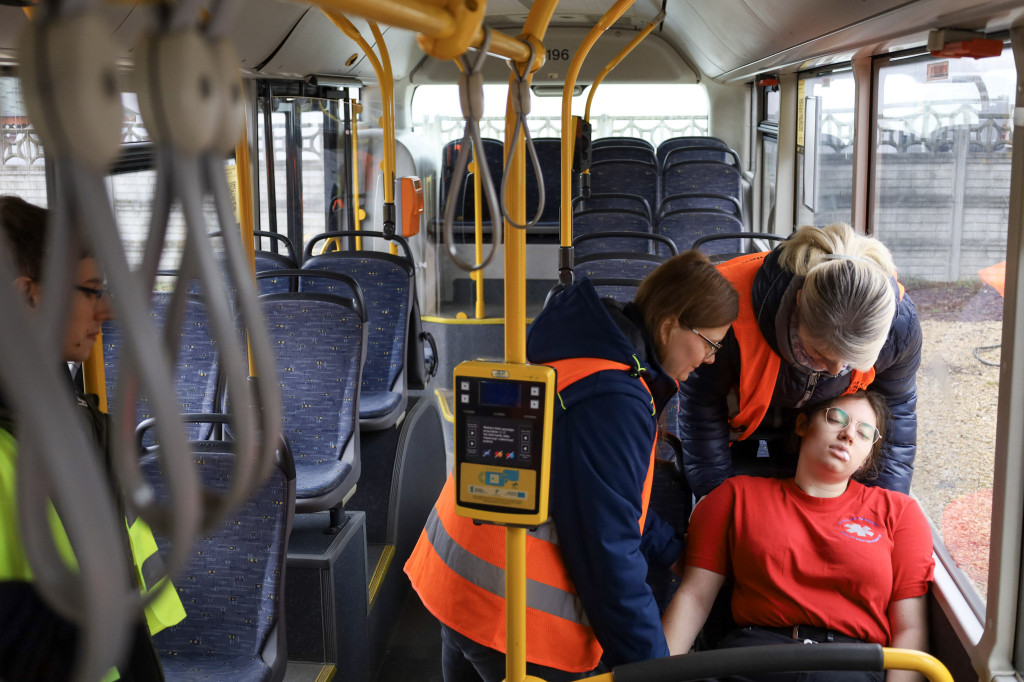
x: 431, y: 21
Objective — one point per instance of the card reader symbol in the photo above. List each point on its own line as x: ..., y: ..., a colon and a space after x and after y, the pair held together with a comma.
x: 500, y: 478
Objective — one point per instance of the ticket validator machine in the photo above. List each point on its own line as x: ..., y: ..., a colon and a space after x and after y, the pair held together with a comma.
x: 503, y: 418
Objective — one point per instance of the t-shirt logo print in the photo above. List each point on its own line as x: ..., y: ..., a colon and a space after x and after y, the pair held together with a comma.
x: 861, y: 529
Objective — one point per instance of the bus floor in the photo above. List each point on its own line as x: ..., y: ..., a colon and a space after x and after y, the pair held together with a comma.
x: 414, y: 652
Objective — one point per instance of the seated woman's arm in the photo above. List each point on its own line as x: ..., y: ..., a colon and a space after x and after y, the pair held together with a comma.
x: 908, y: 622
x: 690, y: 607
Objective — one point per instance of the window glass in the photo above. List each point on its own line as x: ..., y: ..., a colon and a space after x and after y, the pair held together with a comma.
x: 667, y: 111
x: 22, y: 162
x: 304, y: 122
x: 769, y: 166
x: 940, y: 202
x: 772, y: 99
x: 825, y: 149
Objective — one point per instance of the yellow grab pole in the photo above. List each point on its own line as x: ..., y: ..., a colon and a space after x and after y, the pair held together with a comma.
x: 387, y: 123
x: 94, y: 377
x: 609, y: 18
x: 357, y: 218
x: 243, y: 173
x: 619, y: 57
x: 908, y: 659
x: 478, y: 235
x: 435, y: 23
x: 515, y: 335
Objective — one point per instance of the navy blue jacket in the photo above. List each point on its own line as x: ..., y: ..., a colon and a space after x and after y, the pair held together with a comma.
x: 703, y: 410
x: 601, y: 452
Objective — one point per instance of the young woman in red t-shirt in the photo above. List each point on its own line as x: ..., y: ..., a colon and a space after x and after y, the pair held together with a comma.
x: 815, y: 558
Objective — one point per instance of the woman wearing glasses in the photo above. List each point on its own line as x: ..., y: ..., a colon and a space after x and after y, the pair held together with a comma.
x: 820, y: 316
x: 588, y: 601
x: 818, y: 557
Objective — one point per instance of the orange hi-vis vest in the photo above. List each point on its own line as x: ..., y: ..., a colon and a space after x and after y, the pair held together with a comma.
x: 458, y: 570
x: 759, y: 364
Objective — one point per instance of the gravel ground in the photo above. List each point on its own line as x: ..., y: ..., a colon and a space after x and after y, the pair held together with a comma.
x: 957, y: 397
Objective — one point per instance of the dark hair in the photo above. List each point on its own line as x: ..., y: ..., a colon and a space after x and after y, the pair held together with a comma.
x: 872, y: 465
x: 24, y: 226
x: 688, y: 289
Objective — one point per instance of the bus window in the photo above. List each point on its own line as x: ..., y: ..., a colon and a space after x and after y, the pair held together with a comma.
x: 666, y: 111
x: 769, y: 128
x: 940, y: 202
x: 311, y: 126
x: 825, y: 148
x: 22, y: 162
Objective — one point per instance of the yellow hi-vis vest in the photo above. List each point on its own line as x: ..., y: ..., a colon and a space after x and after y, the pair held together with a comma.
x: 164, y: 611
x: 458, y: 570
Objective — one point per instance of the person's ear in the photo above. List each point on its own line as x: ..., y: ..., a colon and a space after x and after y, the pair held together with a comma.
x: 665, y: 330
x: 798, y: 292
x: 802, y: 422
x: 27, y: 287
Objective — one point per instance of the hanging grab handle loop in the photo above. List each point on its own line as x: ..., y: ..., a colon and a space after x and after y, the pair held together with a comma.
x: 520, y: 96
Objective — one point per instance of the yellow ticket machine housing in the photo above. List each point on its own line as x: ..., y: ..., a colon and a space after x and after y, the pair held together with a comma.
x: 503, y: 417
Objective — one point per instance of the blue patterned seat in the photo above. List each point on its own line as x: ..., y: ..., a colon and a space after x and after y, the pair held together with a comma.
x: 701, y: 153
x: 549, y: 154
x: 196, y: 377
x: 719, y: 202
x: 621, y: 141
x: 687, y: 141
x: 683, y: 177
x: 622, y: 152
x: 641, y: 243
x: 616, y: 201
x: 685, y: 226
x: 387, y: 283
x: 232, y: 587
x: 319, y: 343
x: 466, y: 199
x: 627, y: 177
x: 617, y: 265
x: 267, y: 261
x: 600, y: 221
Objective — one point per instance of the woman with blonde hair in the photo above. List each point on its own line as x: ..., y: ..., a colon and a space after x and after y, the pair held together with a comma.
x: 821, y: 316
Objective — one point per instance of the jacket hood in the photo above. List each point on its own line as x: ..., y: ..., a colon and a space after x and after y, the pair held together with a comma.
x: 576, y: 324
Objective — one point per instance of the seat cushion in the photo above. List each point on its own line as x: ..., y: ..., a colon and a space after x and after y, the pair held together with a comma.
x: 377, y: 403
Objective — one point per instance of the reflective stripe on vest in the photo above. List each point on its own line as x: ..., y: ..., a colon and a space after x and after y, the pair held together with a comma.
x: 458, y: 570
x: 166, y: 609
x: 759, y: 364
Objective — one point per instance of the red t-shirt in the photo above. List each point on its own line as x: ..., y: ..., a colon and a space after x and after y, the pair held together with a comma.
x: 799, y: 560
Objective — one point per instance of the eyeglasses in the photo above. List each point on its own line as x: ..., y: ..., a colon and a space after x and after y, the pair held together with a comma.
x: 715, y: 347
x: 96, y: 295
x: 839, y: 419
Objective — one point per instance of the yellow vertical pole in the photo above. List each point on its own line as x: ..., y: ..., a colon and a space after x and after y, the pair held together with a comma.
x: 246, y: 223
x: 387, y: 120
x: 515, y: 336
x: 357, y: 212
x: 565, y: 215
x: 94, y: 378
x: 478, y: 235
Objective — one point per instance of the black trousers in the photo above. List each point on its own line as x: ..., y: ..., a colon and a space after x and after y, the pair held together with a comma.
x: 757, y: 637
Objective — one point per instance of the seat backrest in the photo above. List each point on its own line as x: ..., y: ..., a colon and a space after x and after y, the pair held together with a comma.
x: 610, y: 220
x: 617, y: 265
x: 549, y: 154
x: 620, y: 142
x: 641, y: 242
x: 712, y: 200
x: 628, y: 177
x: 197, y: 382
x: 387, y: 282
x: 681, y: 177
x: 466, y: 201
x: 614, y: 200
x: 622, y: 290
x: 687, y: 225
x: 319, y: 343
x: 687, y: 141
x: 701, y: 153
x: 622, y: 152
x: 232, y: 587
x: 267, y: 261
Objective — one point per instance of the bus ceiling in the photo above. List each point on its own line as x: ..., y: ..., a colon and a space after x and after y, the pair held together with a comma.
x: 727, y: 41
